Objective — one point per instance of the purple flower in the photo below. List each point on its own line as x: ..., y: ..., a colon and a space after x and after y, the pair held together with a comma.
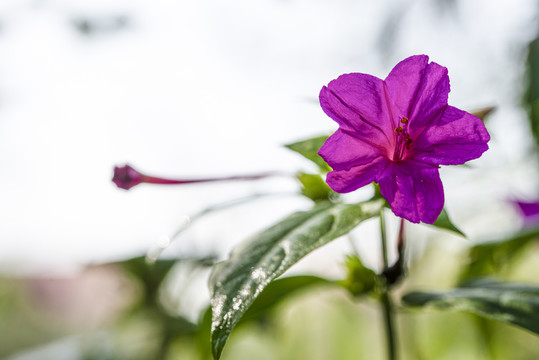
x: 125, y: 177
x: 529, y: 211
x: 396, y: 132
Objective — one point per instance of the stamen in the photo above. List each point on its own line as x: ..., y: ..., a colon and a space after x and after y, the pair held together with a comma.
x: 408, y: 142
x: 403, y: 140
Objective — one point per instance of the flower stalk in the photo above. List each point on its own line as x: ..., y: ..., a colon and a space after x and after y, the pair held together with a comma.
x: 389, y: 325
x: 389, y: 276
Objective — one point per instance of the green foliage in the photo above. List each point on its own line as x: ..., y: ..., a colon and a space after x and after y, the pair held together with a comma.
x: 150, y: 275
x: 277, y: 291
x: 531, y: 98
x: 360, y: 280
x: 510, y: 303
x: 202, y: 337
x: 490, y: 257
x: 444, y: 222
x: 314, y: 187
x: 237, y: 282
x: 309, y: 149
x: 169, y: 326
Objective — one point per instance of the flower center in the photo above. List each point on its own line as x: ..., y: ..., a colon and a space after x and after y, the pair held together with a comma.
x: 403, y: 140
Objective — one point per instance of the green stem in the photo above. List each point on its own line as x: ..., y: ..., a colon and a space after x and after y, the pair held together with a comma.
x: 389, y: 322
x: 389, y: 326
x: 383, y: 238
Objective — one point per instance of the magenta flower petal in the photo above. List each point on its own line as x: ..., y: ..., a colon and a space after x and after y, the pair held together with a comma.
x: 357, y: 103
x: 431, y: 98
x: 414, y: 191
x: 456, y: 138
x: 397, y: 132
x: 529, y: 211
x: 344, y: 181
x: 343, y: 150
x: 403, y: 82
x: 419, y: 91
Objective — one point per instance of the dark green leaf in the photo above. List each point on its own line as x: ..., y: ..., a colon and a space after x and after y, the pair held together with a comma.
x: 309, y: 148
x: 531, y: 98
x: 510, y: 303
x: 151, y: 275
x: 236, y: 283
x: 202, y: 337
x: 444, y: 222
x: 360, y: 279
x: 491, y: 257
x: 314, y: 187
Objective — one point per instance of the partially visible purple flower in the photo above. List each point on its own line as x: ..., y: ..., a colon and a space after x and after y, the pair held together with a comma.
x: 529, y: 211
x: 125, y: 177
x: 397, y: 132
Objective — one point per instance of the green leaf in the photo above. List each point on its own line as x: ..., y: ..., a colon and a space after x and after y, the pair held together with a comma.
x: 531, y: 97
x: 237, y: 282
x: 360, y: 279
x: 202, y: 337
x: 491, y: 257
x: 277, y: 291
x: 444, y: 222
x: 510, y: 303
x: 151, y: 275
x: 309, y: 149
x: 314, y: 187
x: 483, y: 113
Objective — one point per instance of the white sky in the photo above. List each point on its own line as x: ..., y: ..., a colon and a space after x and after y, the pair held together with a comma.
x: 207, y: 88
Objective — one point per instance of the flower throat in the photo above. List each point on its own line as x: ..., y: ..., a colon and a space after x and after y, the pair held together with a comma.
x: 403, y: 140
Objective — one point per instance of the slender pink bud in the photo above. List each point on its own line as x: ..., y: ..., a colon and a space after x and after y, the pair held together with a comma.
x: 125, y: 177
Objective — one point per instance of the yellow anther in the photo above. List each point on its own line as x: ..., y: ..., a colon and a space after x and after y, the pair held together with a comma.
x: 408, y: 142
x: 404, y: 120
x: 399, y: 129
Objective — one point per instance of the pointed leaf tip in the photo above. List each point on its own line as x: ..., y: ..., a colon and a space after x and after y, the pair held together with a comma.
x: 444, y: 222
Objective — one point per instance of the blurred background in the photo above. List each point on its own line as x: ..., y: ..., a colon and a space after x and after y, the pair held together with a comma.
x: 210, y: 88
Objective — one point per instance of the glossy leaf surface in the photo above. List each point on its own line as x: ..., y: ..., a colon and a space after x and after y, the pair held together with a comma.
x: 237, y: 282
